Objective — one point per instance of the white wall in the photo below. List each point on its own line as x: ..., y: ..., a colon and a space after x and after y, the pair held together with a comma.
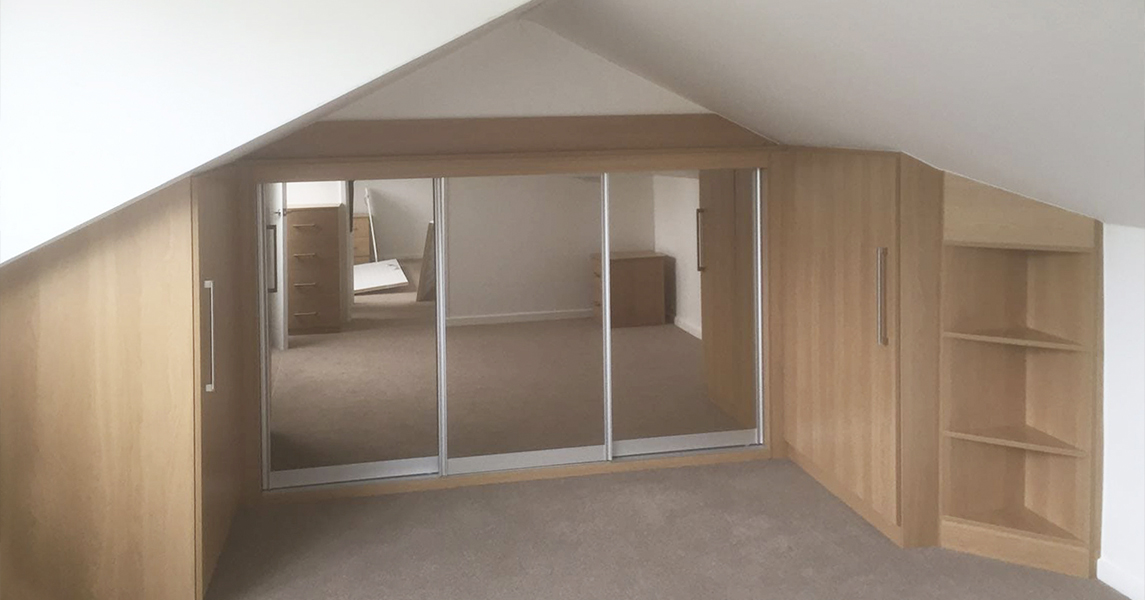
x: 518, y: 70
x: 1122, y: 562
x: 520, y: 246
x: 403, y: 208
x: 630, y: 212
x: 676, y: 200
x: 128, y: 95
x: 313, y: 193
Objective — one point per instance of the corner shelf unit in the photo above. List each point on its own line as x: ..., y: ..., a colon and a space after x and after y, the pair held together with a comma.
x: 1019, y: 388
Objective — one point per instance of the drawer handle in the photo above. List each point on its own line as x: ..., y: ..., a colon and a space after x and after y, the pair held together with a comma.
x: 307, y: 314
x: 305, y: 284
x: 306, y: 255
x: 305, y: 225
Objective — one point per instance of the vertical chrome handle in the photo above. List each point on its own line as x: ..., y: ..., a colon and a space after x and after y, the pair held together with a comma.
x: 881, y: 287
x: 700, y: 266
x: 210, y: 285
x: 273, y: 228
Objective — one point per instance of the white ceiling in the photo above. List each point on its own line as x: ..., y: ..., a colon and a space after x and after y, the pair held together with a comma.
x: 1042, y: 97
x: 125, y: 97
x: 519, y: 69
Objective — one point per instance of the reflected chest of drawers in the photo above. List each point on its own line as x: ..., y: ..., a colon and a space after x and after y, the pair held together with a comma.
x: 638, y: 283
x: 314, y: 251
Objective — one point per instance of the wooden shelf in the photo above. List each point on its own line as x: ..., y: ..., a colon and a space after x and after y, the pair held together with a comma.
x: 1018, y: 436
x: 1017, y: 336
x: 1019, y: 247
x: 1020, y: 520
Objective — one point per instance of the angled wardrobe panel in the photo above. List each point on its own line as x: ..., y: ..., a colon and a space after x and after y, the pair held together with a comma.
x: 97, y: 448
x: 847, y: 256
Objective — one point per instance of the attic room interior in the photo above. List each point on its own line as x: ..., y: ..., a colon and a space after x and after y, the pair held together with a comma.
x: 573, y: 298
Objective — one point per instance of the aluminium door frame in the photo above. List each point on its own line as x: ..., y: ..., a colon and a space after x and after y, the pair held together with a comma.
x: 321, y: 475
x: 736, y: 438
x: 444, y: 466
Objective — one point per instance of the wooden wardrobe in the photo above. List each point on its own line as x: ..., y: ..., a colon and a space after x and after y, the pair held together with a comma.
x: 934, y: 354
x: 119, y: 470
x: 855, y: 240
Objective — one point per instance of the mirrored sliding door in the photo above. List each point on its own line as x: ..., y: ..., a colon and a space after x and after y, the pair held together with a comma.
x: 352, y: 371
x: 684, y: 285
x: 524, y: 340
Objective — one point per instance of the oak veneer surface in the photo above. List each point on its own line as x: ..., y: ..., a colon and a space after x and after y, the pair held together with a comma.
x: 331, y: 139
x: 223, y: 425
x: 919, y: 329
x: 839, y: 386
x: 638, y: 281
x: 977, y: 213
x: 1020, y: 380
x: 97, y: 488
x: 725, y: 286
x: 314, y: 255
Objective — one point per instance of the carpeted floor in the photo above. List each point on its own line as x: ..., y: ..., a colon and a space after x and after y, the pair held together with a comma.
x: 761, y: 531
x: 369, y: 392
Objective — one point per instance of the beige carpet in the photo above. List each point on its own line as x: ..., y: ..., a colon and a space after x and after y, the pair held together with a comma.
x: 369, y: 393
x: 758, y: 531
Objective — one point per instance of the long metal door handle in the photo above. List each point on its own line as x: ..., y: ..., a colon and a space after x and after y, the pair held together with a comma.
x: 881, y: 287
x: 273, y: 228
x: 305, y: 225
x: 700, y: 266
x: 210, y: 286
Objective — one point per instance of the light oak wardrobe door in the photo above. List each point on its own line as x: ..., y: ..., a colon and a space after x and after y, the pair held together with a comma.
x: 724, y: 231
x: 222, y: 349
x: 837, y: 217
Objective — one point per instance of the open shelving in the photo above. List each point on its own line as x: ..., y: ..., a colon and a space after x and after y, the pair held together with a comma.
x: 1021, y: 436
x: 1019, y: 333
x: 1017, y: 336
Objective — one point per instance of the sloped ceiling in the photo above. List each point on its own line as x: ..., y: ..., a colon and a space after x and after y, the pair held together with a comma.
x: 102, y: 102
x: 519, y: 69
x: 1044, y: 98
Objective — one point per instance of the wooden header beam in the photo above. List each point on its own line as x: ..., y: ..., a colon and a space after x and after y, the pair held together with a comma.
x: 436, y: 137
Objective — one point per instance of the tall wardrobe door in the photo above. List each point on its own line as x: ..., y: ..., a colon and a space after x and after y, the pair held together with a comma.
x: 226, y: 334
x: 726, y: 284
x: 836, y: 214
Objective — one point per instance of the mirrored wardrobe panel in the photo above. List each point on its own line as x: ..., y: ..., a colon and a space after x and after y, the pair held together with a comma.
x: 352, y: 330
x: 524, y: 341
x: 682, y: 277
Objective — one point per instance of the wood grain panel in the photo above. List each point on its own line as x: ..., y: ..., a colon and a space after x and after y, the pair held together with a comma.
x: 222, y: 415
x: 1043, y: 553
x: 339, y: 139
x: 638, y: 290
x: 920, y: 327
x: 316, y: 256
x: 97, y: 487
x: 726, y: 300
x: 979, y: 214
x: 839, y: 386
x: 1020, y: 376
x: 513, y: 163
x: 778, y: 188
